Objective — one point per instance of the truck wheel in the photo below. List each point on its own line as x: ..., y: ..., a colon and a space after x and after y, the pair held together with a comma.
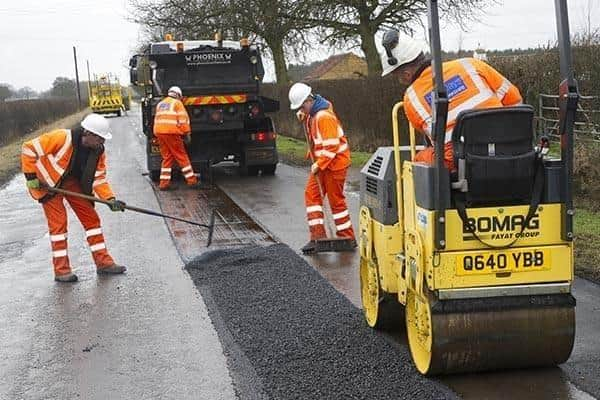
x: 155, y: 175
x: 118, y: 113
x: 269, y: 169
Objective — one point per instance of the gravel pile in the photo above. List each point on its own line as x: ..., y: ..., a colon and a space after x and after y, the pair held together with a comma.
x: 288, y: 334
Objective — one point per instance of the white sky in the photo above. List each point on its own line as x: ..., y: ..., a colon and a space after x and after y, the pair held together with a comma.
x: 36, y: 36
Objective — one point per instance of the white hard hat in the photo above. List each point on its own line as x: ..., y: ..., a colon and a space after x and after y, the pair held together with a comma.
x: 98, y: 125
x: 398, y: 50
x: 298, y: 93
x: 176, y: 90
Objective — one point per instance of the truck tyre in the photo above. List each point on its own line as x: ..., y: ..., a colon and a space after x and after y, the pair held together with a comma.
x: 269, y: 169
x: 118, y: 113
x: 155, y: 175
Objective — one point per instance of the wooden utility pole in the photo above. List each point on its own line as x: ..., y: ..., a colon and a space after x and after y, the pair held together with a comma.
x: 77, y: 78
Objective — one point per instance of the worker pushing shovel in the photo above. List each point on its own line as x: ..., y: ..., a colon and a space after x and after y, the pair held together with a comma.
x: 330, y: 155
x: 69, y: 165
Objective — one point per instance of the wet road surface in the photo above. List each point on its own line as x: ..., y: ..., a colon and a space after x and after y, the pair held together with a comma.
x: 277, y: 204
x: 143, y: 335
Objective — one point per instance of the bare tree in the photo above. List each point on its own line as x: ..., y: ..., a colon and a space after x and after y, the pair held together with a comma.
x: 357, y: 21
x: 260, y: 20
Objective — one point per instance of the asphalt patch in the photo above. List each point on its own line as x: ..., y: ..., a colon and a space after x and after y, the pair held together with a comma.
x: 300, y: 337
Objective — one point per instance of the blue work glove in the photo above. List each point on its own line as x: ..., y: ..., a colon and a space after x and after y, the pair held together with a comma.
x: 116, y: 205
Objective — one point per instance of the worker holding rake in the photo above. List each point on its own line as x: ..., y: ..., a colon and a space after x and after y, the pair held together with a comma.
x: 330, y: 154
x: 72, y: 160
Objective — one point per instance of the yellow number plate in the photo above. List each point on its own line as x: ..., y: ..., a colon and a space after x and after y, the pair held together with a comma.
x: 505, y: 261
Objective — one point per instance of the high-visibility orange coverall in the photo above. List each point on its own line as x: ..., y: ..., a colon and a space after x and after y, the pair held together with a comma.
x: 171, y: 123
x: 332, y: 154
x: 471, y: 84
x: 50, y: 157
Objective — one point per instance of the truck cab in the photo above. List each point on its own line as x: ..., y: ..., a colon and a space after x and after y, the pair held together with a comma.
x: 220, y: 81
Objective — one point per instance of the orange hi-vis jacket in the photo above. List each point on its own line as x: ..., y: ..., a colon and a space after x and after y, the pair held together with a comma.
x: 329, y: 144
x: 49, y: 156
x: 470, y: 83
x: 171, y: 118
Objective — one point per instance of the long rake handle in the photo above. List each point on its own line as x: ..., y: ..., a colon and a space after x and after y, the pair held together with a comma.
x: 127, y: 207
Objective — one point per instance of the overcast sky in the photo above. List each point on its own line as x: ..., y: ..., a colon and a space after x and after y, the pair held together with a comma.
x: 37, y: 35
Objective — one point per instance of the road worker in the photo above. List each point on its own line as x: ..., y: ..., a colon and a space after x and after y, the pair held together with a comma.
x: 470, y: 84
x: 172, y: 129
x: 329, y: 146
x: 73, y: 160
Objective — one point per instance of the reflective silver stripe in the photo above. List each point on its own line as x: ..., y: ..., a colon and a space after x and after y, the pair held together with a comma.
x: 44, y: 173
x: 331, y: 142
x: 38, y: 147
x: 414, y: 101
x: 99, y: 173
x: 188, y: 174
x: 484, y: 92
x: 325, y: 153
x: 185, y: 169
x: 343, y: 148
x: 343, y: 226
x: 28, y: 152
x: 93, y: 232
x: 165, y: 170
x: 65, y: 146
x: 448, y: 137
x: 316, y: 221
x: 165, y: 177
x: 58, y: 238
x: 317, y: 141
x: 59, y: 253
x: 161, y: 113
x: 341, y: 214
x: 503, y: 89
x: 55, y: 165
x: 340, y: 132
x: 96, y: 247
x: 311, y: 209
x: 98, y: 182
x: 483, y: 88
x: 165, y: 121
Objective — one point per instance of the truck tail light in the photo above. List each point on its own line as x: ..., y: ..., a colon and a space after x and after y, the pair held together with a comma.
x: 263, y: 136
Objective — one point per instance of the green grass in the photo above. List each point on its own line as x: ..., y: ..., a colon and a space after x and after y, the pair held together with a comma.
x: 587, y: 240
x: 294, y: 151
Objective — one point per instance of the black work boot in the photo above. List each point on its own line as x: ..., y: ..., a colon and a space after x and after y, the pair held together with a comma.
x: 111, y: 269
x: 309, y: 247
x: 66, y: 278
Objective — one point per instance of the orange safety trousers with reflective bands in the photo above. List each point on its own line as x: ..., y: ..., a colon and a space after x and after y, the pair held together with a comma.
x: 332, y: 184
x: 56, y: 214
x: 172, y: 149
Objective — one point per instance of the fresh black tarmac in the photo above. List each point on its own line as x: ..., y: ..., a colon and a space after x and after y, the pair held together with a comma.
x: 288, y: 334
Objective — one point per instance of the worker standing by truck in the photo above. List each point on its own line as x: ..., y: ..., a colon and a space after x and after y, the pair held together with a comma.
x: 470, y: 83
x: 331, y: 152
x: 73, y: 160
x: 172, y: 129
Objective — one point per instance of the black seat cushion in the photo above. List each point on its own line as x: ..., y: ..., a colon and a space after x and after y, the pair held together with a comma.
x: 497, y: 146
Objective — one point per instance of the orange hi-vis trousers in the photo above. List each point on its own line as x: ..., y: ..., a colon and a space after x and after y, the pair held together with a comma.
x: 56, y: 214
x: 172, y: 149
x: 332, y: 183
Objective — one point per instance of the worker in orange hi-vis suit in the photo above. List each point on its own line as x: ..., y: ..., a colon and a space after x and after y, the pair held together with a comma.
x: 470, y: 84
x: 330, y: 148
x: 73, y: 160
x: 172, y: 129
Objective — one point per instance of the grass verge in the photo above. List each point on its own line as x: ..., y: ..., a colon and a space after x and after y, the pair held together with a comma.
x: 293, y: 151
x: 10, y: 154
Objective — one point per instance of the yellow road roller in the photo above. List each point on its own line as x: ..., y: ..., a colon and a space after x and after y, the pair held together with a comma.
x: 479, y: 259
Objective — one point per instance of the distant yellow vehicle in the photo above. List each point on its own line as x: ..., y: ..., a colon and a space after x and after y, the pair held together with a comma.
x: 105, y: 95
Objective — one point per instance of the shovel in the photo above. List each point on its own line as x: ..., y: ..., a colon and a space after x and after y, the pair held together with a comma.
x: 210, y: 226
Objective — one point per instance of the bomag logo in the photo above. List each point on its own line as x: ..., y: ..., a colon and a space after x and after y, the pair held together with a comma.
x: 208, y: 58
x: 502, y: 227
